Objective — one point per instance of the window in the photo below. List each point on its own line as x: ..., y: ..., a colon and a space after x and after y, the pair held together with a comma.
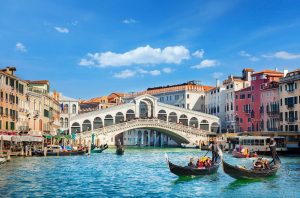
x: 176, y: 97
x: 12, y: 126
x: 6, y: 111
x: 188, y: 106
x: 249, y: 119
x: 188, y: 96
x: 73, y: 109
x: 249, y: 95
x: 242, y: 96
x: 236, y: 108
x: 6, y: 125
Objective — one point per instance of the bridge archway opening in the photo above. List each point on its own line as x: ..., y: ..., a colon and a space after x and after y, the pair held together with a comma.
x: 183, y: 119
x: 172, y: 117
x: 194, y: 122
x: 119, y: 118
x: 75, y: 128
x: 146, y: 108
x: 204, y: 125
x: 130, y: 115
x: 86, y: 125
x: 215, y: 127
x: 97, y: 123
x: 162, y: 115
x: 108, y: 120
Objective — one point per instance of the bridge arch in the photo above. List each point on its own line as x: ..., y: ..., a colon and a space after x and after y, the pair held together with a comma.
x: 97, y: 123
x: 204, y: 125
x: 173, y: 117
x: 183, y: 119
x: 162, y: 115
x: 194, y: 122
x: 108, y: 120
x: 75, y: 128
x: 86, y: 125
x: 130, y: 115
x: 119, y: 118
x: 215, y: 127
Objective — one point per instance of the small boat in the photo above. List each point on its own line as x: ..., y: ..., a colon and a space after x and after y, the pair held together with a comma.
x: 241, y: 172
x: 193, y: 171
x: 120, y: 150
x: 238, y: 154
x: 56, y: 150
x: 190, y: 145
x: 99, y: 149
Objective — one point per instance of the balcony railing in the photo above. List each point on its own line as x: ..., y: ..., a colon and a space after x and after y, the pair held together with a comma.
x: 291, y: 119
x: 289, y: 78
x: 290, y: 105
x: 23, y: 128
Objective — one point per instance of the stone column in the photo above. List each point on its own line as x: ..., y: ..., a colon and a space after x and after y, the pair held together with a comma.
x: 154, y: 138
x: 161, y: 140
x: 149, y: 138
x: 142, y: 138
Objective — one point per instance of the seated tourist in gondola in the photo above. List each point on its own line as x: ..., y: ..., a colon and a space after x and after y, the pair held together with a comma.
x: 191, y: 163
x: 200, y: 164
x: 258, y: 164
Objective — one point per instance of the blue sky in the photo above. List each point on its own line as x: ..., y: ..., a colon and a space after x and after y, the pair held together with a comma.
x: 92, y: 48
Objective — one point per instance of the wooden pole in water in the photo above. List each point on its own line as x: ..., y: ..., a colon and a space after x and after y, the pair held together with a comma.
x: 8, y: 155
x: 1, y: 147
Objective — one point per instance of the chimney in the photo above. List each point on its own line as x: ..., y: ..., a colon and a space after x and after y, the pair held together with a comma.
x: 217, y: 82
x: 285, y: 71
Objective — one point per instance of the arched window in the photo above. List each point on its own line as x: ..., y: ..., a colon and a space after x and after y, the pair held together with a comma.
x: 119, y: 118
x: 97, y: 123
x: 183, y: 120
x: 75, y: 128
x: 108, y: 120
x: 194, y: 122
x: 61, y: 122
x: 66, y: 108
x: 41, y: 125
x: 204, y: 125
x: 74, y: 109
x: 130, y: 115
x: 86, y: 126
x: 162, y: 115
x: 66, y: 123
x: 172, y: 117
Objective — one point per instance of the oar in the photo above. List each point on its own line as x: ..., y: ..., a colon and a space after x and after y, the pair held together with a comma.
x: 206, y: 153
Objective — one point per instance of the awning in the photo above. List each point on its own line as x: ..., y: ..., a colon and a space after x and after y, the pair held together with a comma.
x: 19, y: 138
x: 47, y: 136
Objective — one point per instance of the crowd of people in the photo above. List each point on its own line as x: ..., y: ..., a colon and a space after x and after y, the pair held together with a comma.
x: 261, y: 163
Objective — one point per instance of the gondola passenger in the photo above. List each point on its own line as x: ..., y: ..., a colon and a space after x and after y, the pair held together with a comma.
x: 191, y: 163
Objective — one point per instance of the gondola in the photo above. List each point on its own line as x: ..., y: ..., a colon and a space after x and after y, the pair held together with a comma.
x: 120, y: 150
x: 237, y: 154
x: 95, y: 149
x: 239, y: 172
x: 191, y: 171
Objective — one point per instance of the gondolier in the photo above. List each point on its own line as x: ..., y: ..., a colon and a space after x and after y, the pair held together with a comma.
x: 214, y: 150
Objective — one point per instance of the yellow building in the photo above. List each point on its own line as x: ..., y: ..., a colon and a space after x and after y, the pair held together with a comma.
x: 13, y: 96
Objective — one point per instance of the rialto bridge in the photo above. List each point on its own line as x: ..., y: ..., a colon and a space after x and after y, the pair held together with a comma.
x: 144, y: 112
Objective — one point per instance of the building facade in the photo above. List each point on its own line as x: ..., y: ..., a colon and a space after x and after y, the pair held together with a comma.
x: 243, y: 110
x: 269, y: 108
x: 13, y: 97
x: 289, y: 94
x: 68, y: 109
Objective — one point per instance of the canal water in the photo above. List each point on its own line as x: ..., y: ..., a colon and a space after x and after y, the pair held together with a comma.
x: 138, y: 173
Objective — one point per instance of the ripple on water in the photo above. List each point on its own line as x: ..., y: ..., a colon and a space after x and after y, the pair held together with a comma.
x: 140, y: 172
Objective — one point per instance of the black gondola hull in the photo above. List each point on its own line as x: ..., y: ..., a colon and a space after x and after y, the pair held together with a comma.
x: 189, y: 171
x: 240, y: 173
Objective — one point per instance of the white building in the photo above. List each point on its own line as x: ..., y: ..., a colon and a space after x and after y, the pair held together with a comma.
x: 69, y: 108
x: 215, y: 103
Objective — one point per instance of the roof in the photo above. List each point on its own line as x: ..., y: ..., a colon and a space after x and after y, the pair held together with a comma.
x: 244, y: 89
x: 38, y: 82
x: 269, y: 72
x: 65, y: 98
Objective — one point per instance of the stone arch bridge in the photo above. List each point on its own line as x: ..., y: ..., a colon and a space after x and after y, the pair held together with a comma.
x: 183, y: 125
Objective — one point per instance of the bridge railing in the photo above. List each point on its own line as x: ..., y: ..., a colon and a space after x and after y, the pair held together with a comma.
x: 149, y: 123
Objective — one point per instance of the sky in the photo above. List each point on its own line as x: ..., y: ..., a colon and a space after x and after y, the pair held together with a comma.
x: 92, y: 48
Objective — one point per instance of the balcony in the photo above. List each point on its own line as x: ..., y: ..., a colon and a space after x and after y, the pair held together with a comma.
x: 24, y: 128
x: 290, y: 105
x: 273, y: 113
x: 291, y: 120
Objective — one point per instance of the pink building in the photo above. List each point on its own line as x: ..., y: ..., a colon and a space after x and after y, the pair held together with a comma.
x: 243, y: 109
x: 269, y: 108
x: 248, y: 102
x: 259, y: 79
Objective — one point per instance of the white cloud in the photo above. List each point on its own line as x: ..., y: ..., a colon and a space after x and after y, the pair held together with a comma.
x: 125, y: 74
x: 217, y: 74
x: 249, y: 56
x: 282, y: 55
x: 20, y: 47
x: 151, y: 72
x: 62, y: 29
x: 141, y: 55
x: 206, y: 63
x: 199, y: 53
x: 128, y: 21
x: 167, y: 70
x: 154, y: 72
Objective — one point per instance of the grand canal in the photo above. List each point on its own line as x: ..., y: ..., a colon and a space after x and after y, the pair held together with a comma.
x: 140, y: 172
